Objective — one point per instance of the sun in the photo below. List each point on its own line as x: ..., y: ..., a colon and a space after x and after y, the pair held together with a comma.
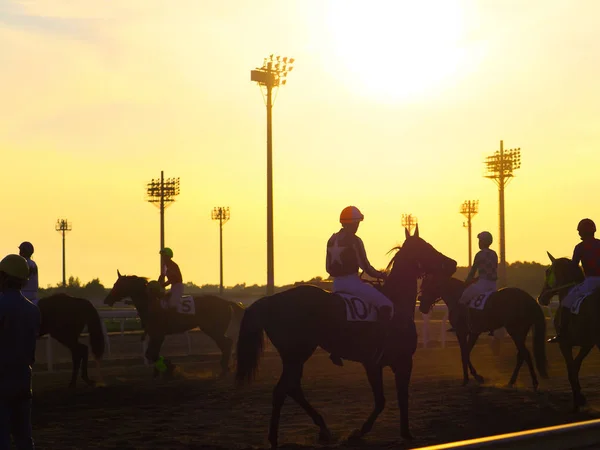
x: 396, y: 49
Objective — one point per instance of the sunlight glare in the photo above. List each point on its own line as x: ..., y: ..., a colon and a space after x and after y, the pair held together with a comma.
x: 396, y: 49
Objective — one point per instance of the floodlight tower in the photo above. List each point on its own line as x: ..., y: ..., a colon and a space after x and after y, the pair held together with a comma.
x: 271, y: 75
x: 500, y: 167
x: 469, y: 208
x: 162, y: 192
x: 222, y: 215
x: 409, y: 221
x: 63, y: 227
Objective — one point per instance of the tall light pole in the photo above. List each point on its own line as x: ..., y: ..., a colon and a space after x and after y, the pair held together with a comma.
x: 162, y: 192
x: 271, y: 75
x: 409, y: 221
x: 63, y: 226
x: 222, y: 215
x: 500, y: 167
x: 469, y: 208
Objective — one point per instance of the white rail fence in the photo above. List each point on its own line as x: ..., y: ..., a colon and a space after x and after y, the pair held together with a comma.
x: 425, y: 327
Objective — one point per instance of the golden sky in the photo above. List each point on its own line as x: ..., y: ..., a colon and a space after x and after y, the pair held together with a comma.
x: 392, y: 106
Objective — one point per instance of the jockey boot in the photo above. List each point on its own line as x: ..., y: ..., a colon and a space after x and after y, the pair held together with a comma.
x: 384, y: 316
x: 563, y: 323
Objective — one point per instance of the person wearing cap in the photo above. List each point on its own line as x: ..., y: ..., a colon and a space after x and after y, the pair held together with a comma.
x: 345, y: 255
x: 485, y: 264
x: 19, y: 330
x: 173, y: 277
x: 30, y: 290
x: 586, y: 252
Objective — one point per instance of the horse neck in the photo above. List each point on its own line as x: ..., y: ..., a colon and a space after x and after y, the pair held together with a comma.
x: 451, y: 292
x: 401, y: 289
x: 140, y: 301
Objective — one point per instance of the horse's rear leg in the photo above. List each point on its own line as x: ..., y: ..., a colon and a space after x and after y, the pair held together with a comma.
x: 402, y: 372
x: 225, y: 344
x: 289, y: 384
x: 76, y: 355
x: 83, y: 349
x: 522, y: 355
x: 375, y: 376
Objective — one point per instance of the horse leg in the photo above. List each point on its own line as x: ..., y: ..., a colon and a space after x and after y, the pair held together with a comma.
x: 572, y: 373
x: 84, y: 365
x: 153, y: 351
x: 295, y: 391
x: 583, y: 352
x: 74, y: 346
x: 466, y: 360
x: 523, y: 354
x: 289, y: 383
x: 402, y: 373
x: 225, y: 344
x: 375, y: 377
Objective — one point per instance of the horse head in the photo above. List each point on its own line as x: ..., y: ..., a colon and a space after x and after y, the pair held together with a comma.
x: 418, y: 258
x: 560, y: 276
x: 127, y: 287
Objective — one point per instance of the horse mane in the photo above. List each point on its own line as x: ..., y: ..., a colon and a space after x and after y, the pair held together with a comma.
x: 391, y: 263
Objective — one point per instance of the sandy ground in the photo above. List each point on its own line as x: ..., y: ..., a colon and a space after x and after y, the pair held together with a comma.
x: 197, y: 410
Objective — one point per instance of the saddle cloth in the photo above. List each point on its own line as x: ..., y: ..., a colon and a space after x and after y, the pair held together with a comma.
x: 185, y: 305
x: 581, y: 296
x: 357, y: 309
x: 478, y: 302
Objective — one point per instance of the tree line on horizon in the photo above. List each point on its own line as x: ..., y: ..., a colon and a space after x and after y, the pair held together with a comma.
x: 528, y: 276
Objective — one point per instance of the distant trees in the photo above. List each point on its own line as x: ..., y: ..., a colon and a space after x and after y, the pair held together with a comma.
x: 528, y: 276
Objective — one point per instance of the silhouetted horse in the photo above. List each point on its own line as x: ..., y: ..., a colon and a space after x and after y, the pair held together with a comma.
x: 300, y: 319
x: 63, y: 318
x: 216, y: 317
x: 583, y: 329
x: 511, y: 308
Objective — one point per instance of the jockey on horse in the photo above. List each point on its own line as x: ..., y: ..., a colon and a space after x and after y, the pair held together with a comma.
x: 486, y: 262
x: 173, y: 277
x: 30, y: 290
x: 345, y: 255
x: 588, y: 253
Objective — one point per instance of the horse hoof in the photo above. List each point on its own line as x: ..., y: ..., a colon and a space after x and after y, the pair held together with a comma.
x: 465, y: 382
x: 479, y: 379
x: 325, y: 437
x: 356, y: 435
x: 407, y: 435
x: 535, y: 387
x: 581, y: 400
x: 510, y: 385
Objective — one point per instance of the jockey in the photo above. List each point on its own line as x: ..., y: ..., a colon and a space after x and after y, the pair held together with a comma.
x: 345, y: 255
x: 486, y: 263
x: 19, y: 330
x: 587, y: 252
x: 173, y: 274
x: 31, y: 288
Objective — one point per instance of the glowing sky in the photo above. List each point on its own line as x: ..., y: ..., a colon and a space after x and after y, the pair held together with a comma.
x: 392, y: 107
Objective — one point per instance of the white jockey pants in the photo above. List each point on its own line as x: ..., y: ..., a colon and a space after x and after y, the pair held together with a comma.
x: 352, y: 284
x: 589, y: 284
x: 479, y: 287
x: 175, y: 295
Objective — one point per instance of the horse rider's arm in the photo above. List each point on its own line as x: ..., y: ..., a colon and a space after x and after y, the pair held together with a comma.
x: 576, y: 256
x: 473, y: 270
x: 363, y: 262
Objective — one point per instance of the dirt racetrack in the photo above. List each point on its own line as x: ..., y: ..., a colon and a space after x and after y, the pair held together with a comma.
x: 196, y: 410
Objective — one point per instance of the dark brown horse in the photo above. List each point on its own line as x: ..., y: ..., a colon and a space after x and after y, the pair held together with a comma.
x: 299, y: 320
x: 216, y: 317
x: 511, y: 308
x: 64, y: 318
x: 583, y: 329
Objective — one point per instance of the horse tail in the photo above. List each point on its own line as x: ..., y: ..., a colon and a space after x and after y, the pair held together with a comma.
x: 539, y: 340
x: 94, y: 324
x: 250, y: 343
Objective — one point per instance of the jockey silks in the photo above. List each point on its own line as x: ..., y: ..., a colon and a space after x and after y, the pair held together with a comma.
x: 588, y: 253
x: 486, y: 262
x: 31, y: 288
x: 346, y: 254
